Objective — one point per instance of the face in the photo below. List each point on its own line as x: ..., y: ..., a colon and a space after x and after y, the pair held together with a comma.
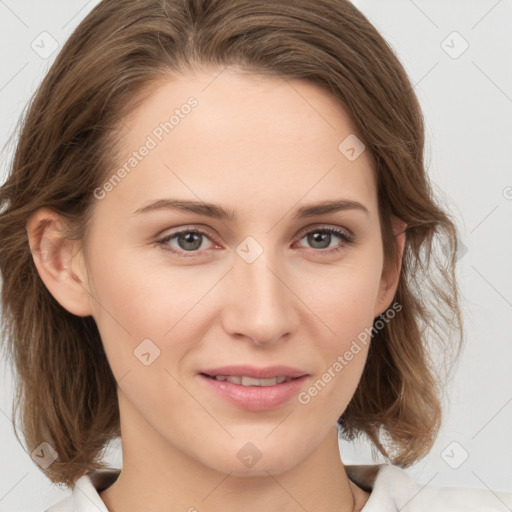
x: 177, y: 292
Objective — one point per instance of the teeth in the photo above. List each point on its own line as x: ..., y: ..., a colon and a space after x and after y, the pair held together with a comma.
x: 249, y: 381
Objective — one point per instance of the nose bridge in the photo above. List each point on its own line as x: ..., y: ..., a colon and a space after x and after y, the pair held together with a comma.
x: 261, y: 305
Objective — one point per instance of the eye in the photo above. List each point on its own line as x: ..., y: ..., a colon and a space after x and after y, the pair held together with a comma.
x: 321, y: 238
x: 188, y: 241
x: 191, y: 241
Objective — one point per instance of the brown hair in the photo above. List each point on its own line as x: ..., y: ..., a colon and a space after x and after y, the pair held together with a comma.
x: 66, y: 390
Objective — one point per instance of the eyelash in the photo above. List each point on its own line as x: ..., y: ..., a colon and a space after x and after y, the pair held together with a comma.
x: 346, y: 238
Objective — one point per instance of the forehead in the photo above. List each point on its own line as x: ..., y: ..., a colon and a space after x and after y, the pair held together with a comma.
x: 241, y: 136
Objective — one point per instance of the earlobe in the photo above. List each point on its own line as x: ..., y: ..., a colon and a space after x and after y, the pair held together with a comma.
x: 58, y: 261
x: 390, y: 278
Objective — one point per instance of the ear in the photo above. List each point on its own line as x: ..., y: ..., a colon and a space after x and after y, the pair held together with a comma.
x: 391, y: 276
x: 59, y: 261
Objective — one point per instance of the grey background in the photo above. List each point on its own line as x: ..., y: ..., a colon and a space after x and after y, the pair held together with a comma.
x: 467, y: 103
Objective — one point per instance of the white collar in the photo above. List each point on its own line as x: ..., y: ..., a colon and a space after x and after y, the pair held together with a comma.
x: 391, y: 489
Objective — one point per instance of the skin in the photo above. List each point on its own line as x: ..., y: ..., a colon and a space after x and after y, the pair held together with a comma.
x: 262, y: 147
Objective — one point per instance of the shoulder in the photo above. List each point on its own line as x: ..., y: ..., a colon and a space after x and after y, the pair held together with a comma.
x: 392, y: 489
x: 85, y: 496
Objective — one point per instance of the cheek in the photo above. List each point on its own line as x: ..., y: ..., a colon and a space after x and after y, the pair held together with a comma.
x: 342, y: 298
x: 134, y: 303
x: 343, y: 348
x: 343, y: 302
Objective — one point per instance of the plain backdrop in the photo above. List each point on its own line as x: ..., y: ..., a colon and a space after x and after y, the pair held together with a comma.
x: 457, y: 54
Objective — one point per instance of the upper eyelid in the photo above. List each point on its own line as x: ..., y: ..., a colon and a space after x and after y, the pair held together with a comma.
x: 320, y: 227
x: 187, y: 229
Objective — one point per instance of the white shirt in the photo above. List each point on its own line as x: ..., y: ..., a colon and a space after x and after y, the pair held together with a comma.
x: 392, y: 490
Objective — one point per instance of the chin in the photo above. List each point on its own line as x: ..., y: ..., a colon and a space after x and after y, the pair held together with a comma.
x: 248, y: 460
x: 274, y: 466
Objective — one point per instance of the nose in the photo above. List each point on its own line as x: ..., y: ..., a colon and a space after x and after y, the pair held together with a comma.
x: 259, y: 303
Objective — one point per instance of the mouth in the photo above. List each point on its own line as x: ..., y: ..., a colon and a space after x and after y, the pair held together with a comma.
x: 255, y: 389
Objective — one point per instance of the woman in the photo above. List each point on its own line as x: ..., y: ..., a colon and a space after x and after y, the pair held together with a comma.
x: 188, y: 171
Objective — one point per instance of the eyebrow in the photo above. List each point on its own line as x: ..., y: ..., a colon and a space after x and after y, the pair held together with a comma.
x: 218, y: 212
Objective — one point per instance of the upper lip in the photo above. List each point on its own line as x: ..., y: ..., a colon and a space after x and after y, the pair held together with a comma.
x: 267, y: 372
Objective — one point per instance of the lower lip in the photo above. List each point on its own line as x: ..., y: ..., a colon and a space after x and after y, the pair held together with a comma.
x: 256, y: 398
